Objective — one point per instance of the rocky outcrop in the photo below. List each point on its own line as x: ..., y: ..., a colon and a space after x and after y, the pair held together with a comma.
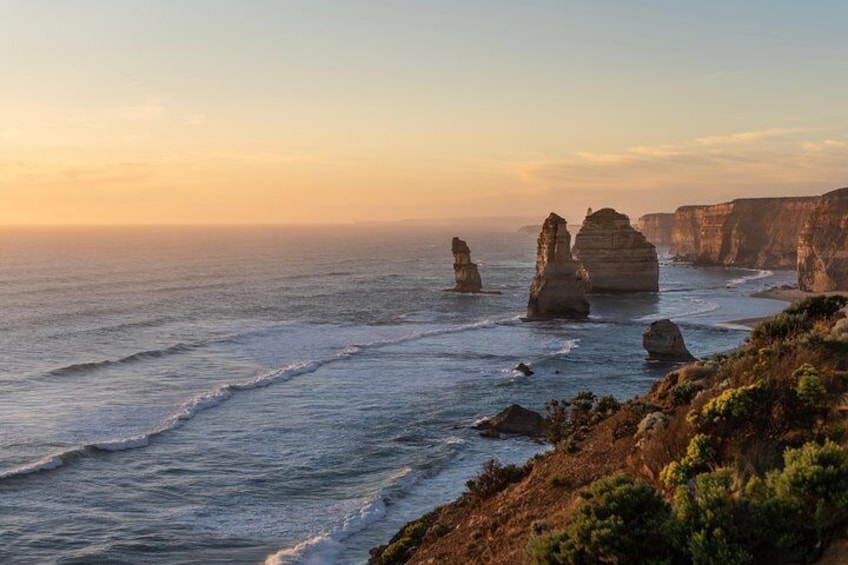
x: 514, y: 420
x: 664, y: 342
x: 558, y: 290
x: 823, y: 245
x: 756, y: 233
x: 467, y: 276
x: 657, y: 228
x: 614, y: 256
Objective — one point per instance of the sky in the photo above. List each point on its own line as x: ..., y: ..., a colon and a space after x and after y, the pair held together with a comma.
x: 337, y: 111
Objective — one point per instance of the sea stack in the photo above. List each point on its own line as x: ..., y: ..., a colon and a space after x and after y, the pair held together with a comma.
x: 614, y: 256
x: 664, y: 342
x: 467, y: 276
x: 823, y: 245
x: 558, y: 290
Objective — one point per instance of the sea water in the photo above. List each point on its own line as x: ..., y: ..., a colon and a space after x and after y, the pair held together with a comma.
x: 287, y: 395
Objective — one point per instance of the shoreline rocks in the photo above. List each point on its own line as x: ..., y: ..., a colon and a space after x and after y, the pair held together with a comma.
x: 615, y: 257
x: 513, y: 420
x: 664, y: 342
x: 557, y: 290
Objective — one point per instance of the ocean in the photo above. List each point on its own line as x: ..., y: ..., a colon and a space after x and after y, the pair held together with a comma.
x: 287, y: 394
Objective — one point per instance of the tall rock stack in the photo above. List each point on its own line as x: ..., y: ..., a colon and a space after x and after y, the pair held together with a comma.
x: 467, y: 276
x: 615, y: 257
x: 823, y: 245
x: 558, y: 289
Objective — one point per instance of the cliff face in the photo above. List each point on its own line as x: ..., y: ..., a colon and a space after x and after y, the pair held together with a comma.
x: 615, y: 257
x: 752, y: 232
x: 686, y: 232
x: 557, y: 290
x: 467, y: 275
x: 823, y: 245
x: 657, y: 228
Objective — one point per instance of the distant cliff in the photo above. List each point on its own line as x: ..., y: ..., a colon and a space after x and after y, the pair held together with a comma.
x: 749, y: 232
x: 823, y: 245
x: 657, y: 228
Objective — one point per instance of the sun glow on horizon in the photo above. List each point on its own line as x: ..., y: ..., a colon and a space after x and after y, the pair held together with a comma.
x: 331, y: 112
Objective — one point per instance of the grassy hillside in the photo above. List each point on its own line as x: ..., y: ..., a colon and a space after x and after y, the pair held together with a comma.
x: 740, y: 459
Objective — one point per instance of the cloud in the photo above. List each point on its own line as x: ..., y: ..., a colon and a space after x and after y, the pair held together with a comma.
x: 749, y: 136
x: 703, y: 165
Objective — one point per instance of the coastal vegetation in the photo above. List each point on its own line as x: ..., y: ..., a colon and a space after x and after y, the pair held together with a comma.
x: 737, y: 460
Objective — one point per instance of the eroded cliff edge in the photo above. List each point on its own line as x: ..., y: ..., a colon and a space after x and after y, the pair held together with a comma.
x: 823, y: 245
x: 759, y: 233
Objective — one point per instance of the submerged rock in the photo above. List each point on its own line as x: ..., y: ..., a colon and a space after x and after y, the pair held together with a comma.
x: 615, y: 257
x: 823, y: 245
x: 664, y: 342
x: 467, y: 276
x: 523, y: 369
x: 513, y: 420
x: 558, y: 290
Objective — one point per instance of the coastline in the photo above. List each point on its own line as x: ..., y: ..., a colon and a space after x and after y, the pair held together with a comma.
x: 786, y: 293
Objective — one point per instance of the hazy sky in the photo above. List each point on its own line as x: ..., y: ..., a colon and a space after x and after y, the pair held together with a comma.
x: 218, y: 111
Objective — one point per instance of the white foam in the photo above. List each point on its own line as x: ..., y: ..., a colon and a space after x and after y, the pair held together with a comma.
x: 568, y: 346
x: 699, y: 306
x: 325, y: 548
x: 43, y: 464
x: 757, y: 274
x: 123, y: 444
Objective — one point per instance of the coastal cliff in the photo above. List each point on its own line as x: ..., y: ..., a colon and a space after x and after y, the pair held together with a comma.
x: 657, y: 228
x: 614, y: 256
x: 823, y: 245
x: 751, y: 232
x: 557, y: 290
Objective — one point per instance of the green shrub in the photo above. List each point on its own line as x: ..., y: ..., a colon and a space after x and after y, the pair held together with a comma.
x: 607, y: 405
x: 684, y: 393
x: 735, y: 405
x: 700, y: 454
x: 565, y: 418
x: 809, y: 386
x: 818, y: 307
x: 494, y: 478
x: 712, y: 521
x: 620, y: 521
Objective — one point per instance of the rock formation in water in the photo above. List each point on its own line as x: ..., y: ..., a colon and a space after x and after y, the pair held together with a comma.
x: 664, y: 342
x: 467, y: 276
x: 614, y: 256
x: 757, y: 233
x: 657, y: 228
x: 823, y: 245
x: 558, y: 290
x: 513, y: 420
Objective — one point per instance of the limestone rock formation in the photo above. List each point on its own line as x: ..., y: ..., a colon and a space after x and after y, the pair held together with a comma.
x: 657, y: 228
x: 758, y: 233
x: 823, y: 245
x: 514, y: 420
x: 614, y: 256
x: 467, y: 276
x: 664, y: 342
x: 557, y: 291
